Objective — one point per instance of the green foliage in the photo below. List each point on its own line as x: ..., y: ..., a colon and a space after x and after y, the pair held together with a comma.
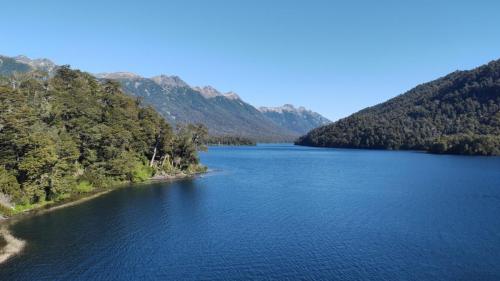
x: 184, y: 150
x: 459, y: 114
x: 6, y: 211
x: 196, y: 169
x: 467, y: 144
x: 230, y: 140
x: 198, y: 134
x: 141, y: 173
x: 72, y: 134
x: 9, y: 186
x: 84, y: 187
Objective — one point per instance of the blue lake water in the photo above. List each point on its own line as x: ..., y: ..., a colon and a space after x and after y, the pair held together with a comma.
x: 281, y: 212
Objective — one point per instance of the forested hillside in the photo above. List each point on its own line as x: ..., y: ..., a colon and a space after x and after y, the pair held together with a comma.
x: 71, y: 133
x: 458, y: 114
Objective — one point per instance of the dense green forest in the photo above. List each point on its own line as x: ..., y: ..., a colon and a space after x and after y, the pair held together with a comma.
x: 202, y: 139
x: 230, y: 140
x: 456, y: 114
x: 71, y: 134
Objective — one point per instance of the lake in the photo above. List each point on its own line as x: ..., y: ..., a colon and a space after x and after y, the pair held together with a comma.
x: 281, y: 212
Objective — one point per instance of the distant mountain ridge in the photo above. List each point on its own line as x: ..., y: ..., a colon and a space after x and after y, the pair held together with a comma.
x: 295, y: 119
x: 223, y: 114
x: 10, y: 65
x: 178, y: 102
x: 210, y: 92
x: 40, y: 64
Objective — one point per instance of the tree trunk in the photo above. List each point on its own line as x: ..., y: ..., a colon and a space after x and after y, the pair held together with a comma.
x: 154, y: 151
x: 153, y: 158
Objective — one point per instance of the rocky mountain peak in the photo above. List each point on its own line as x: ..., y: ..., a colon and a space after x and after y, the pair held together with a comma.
x: 285, y: 108
x: 118, y: 75
x: 298, y: 119
x: 208, y: 92
x: 232, y: 96
x: 279, y: 109
x: 39, y: 64
x: 169, y: 81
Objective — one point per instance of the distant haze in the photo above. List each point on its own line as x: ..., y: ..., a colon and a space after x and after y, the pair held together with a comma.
x: 333, y: 57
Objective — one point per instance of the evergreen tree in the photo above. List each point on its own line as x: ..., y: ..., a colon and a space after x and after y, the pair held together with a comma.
x: 72, y: 133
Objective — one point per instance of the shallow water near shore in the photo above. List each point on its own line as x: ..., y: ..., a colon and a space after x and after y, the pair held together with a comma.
x: 281, y: 212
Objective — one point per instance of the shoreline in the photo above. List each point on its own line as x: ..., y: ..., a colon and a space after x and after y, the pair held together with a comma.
x: 14, y: 246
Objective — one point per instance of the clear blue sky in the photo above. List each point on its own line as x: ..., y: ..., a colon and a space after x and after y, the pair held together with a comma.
x: 335, y: 57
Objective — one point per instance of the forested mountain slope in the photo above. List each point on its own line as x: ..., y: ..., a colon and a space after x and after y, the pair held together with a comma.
x: 459, y: 114
x: 71, y: 133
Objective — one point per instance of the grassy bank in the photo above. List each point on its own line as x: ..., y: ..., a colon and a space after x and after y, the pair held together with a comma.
x: 85, y: 191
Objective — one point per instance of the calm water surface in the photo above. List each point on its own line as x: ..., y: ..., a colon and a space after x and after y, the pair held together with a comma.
x: 279, y: 212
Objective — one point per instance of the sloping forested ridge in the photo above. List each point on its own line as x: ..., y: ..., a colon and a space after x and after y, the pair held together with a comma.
x: 71, y: 133
x: 456, y: 114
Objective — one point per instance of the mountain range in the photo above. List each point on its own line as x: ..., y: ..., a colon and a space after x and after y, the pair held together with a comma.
x: 179, y: 103
x: 294, y: 119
